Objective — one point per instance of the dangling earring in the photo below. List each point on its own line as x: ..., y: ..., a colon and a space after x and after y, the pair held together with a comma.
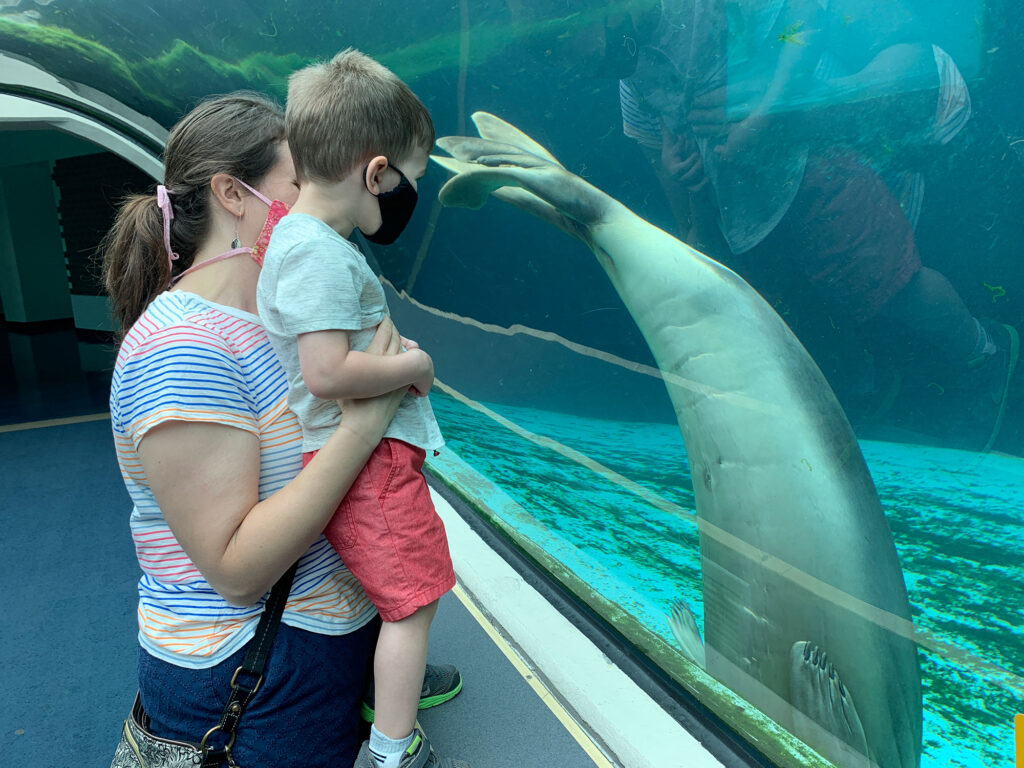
x: 236, y: 243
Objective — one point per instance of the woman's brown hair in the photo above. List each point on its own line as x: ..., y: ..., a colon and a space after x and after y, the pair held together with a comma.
x: 238, y: 134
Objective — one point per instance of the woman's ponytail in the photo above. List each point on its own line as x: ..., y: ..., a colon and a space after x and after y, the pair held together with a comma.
x: 136, y: 267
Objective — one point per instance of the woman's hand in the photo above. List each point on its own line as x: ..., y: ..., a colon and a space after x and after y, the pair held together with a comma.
x: 369, y: 417
x: 680, y: 157
x: 749, y: 141
x: 387, y: 340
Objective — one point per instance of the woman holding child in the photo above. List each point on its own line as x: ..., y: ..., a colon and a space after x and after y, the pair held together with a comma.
x: 212, y: 458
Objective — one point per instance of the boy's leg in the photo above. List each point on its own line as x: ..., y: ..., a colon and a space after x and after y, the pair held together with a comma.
x: 441, y: 683
x: 399, y: 662
x: 392, y: 539
x: 398, y: 666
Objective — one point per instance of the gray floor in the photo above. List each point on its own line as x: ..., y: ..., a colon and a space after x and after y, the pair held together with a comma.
x: 67, y: 624
x: 497, y: 721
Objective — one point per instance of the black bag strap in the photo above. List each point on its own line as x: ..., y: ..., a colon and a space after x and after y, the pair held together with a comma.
x: 249, y: 677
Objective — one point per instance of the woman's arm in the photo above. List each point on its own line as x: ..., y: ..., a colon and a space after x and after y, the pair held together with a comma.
x: 205, y: 478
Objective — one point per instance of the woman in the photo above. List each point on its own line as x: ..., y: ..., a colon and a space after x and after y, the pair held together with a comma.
x: 211, y: 456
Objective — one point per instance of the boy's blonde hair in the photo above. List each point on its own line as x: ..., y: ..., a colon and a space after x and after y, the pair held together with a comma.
x: 345, y: 111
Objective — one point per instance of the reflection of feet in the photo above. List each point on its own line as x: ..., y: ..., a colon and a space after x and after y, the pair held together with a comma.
x: 995, y: 373
x: 972, y: 407
x: 979, y: 396
x: 440, y: 684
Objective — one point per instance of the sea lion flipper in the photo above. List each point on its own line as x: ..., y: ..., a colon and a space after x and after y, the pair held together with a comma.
x: 471, y: 184
x: 817, y: 691
x: 529, y: 202
x: 684, y: 627
x: 483, y: 167
x: 473, y: 149
x: 491, y: 127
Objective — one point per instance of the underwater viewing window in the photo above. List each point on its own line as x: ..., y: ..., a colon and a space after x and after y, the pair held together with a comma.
x: 724, y: 302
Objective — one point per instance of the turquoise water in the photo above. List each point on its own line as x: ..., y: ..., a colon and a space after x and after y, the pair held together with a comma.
x: 956, y: 518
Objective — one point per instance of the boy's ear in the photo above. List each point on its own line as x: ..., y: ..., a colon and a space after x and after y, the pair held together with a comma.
x: 372, y: 175
x: 228, y: 193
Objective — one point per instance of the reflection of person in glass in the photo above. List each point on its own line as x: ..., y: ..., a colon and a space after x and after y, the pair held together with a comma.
x: 785, y: 137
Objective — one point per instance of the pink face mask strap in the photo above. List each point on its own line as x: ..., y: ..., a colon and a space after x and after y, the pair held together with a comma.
x: 256, y: 192
x: 165, y: 205
x: 163, y: 200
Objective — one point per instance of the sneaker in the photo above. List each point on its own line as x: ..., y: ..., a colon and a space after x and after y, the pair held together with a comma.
x: 997, y: 373
x: 967, y: 408
x: 440, y: 684
x: 419, y: 754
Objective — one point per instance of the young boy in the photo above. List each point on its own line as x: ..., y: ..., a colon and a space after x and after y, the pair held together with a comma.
x: 360, y: 139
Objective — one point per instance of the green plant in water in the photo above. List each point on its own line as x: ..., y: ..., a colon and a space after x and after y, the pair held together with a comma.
x: 179, y: 71
x: 16, y: 35
x: 997, y: 291
x: 792, y: 34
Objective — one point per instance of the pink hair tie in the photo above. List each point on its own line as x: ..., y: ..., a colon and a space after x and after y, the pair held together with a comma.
x: 163, y: 200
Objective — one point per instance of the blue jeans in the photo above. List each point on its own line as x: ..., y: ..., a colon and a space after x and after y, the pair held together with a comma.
x: 305, y: 715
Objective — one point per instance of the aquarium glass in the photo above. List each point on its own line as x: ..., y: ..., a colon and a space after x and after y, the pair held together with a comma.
x: 857, y: 166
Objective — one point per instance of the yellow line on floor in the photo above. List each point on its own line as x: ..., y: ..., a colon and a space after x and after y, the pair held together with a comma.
x: 1018, y: 727
x: 574, y: 729
x: 53, y: 422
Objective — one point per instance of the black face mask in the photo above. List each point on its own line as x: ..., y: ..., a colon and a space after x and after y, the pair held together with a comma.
x: 396, y: 207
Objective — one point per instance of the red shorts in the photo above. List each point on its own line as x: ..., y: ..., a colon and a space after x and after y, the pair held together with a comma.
x: 845, y: 235
x: 389, y: 534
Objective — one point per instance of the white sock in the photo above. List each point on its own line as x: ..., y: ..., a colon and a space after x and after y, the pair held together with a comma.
x: 387, y: 752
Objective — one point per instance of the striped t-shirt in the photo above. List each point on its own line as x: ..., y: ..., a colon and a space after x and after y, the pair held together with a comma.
x: 187, y: 359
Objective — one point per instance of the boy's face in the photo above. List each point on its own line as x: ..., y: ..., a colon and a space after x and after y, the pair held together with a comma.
x: 279, y: 184
x: 386, y: 209
x: 413, y: 165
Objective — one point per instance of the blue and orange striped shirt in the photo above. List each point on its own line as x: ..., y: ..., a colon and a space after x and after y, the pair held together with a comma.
x: 187, y: 359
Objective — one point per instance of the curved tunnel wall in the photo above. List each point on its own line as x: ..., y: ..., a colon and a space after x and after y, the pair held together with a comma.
x: 68, y: 153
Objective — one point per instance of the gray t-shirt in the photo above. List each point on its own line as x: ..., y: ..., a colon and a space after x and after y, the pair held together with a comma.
x: 313, y: 279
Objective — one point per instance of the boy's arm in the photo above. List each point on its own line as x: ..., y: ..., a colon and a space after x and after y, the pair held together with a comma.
x: 333, y: 371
